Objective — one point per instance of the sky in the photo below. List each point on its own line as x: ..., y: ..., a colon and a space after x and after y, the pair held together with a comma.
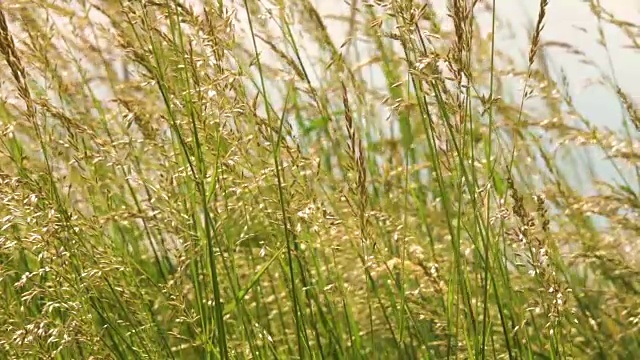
x: 573, y: 22
x: 565, y: 19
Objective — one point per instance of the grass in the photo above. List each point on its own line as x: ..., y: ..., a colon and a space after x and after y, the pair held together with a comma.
x: 232, y: 181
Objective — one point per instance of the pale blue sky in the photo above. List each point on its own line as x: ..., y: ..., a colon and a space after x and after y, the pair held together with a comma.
x: 571, y: 21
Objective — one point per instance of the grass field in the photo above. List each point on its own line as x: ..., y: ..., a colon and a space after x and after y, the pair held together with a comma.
x: 232, y: 182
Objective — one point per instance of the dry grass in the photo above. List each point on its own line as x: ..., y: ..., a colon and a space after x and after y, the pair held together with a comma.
x: 227, y: 182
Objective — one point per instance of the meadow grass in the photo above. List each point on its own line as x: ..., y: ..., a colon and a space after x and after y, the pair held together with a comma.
x: 230, y: 181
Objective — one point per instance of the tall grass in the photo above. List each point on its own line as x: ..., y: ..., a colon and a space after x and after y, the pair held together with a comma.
x: 231, y: 181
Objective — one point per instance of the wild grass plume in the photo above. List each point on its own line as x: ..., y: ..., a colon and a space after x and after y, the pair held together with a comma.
x: 257, y: 179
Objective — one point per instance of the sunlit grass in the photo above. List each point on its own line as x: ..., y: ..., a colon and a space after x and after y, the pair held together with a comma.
x: 232, y: 181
